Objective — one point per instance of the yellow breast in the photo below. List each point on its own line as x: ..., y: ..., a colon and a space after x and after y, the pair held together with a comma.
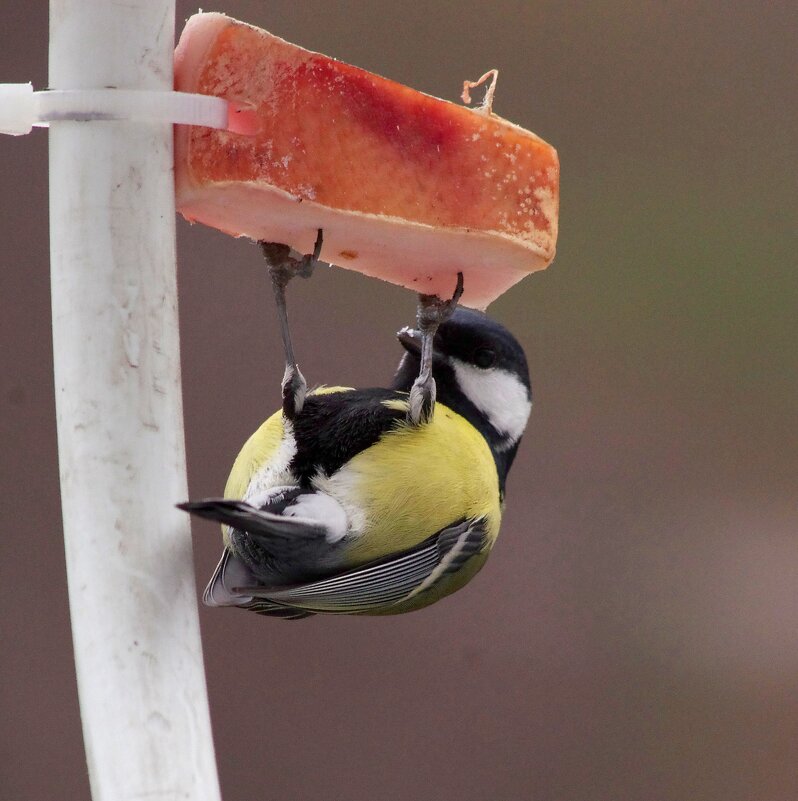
x: 403, y: 489
x: 415, y: 481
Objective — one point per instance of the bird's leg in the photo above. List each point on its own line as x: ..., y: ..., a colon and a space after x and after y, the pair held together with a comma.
x: 431, y: 312
x: 282, y: 268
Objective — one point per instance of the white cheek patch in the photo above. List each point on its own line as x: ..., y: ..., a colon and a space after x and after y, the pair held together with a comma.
x: 499, y: 395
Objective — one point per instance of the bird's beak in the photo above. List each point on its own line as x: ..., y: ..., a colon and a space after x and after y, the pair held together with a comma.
x: 410, y: 339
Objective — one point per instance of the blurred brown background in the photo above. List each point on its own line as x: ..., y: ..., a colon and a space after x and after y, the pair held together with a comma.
x: 634, y: 635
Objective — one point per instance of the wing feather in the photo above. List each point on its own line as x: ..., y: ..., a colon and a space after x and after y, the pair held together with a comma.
x: 389, y: 581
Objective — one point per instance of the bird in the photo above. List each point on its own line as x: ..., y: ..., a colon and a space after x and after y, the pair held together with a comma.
x: 374, y: 501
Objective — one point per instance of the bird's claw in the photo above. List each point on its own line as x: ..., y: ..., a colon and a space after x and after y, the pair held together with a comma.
x: 283, y: 266
x: 309, y: 261
x: 434, y: 310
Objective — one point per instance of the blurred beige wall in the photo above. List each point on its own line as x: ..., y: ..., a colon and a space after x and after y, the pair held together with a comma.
x: 634, y: 635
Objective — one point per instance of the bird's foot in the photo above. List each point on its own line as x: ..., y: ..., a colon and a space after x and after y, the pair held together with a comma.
x: 282, y: 268
x: 432, y: 311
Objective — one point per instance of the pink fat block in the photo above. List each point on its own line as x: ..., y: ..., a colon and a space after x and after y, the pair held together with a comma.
x: 406, y: 187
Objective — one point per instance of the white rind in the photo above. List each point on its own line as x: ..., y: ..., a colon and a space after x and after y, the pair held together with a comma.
x: 383, y: 247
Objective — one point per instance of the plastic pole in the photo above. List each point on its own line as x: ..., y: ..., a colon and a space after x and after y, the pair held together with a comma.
x: 141, y: 682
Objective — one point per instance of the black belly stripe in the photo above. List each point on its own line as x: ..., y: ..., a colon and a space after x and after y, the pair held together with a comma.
x: 333, y: 428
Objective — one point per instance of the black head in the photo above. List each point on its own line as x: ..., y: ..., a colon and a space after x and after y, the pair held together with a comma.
x: 480, y: 370
x: 473, y: 338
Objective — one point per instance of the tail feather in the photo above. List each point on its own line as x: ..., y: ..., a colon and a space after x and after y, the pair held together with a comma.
x: 272, y: 548
x: 222, y: 588
x: 221, y: 591
x: 256, y: 522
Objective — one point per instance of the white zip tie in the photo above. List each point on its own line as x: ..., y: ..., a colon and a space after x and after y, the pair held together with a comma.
x: 21, y: 108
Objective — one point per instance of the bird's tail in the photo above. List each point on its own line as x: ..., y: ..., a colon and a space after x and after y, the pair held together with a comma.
x: 266, y: 548
x: 261, y: 523
x: 231, y: 573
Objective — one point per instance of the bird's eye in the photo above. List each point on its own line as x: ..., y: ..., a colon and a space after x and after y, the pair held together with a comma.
x: 484, y: 358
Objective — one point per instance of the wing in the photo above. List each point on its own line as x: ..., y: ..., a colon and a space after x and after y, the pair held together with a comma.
x: 384, y: 583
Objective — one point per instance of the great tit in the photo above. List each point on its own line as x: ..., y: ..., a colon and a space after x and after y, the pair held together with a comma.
x: 349, y: 506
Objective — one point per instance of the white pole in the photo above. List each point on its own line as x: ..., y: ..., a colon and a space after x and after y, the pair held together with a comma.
x: 141, y: 681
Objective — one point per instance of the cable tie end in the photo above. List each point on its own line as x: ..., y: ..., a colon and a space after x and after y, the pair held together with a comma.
x: 17, y: 108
